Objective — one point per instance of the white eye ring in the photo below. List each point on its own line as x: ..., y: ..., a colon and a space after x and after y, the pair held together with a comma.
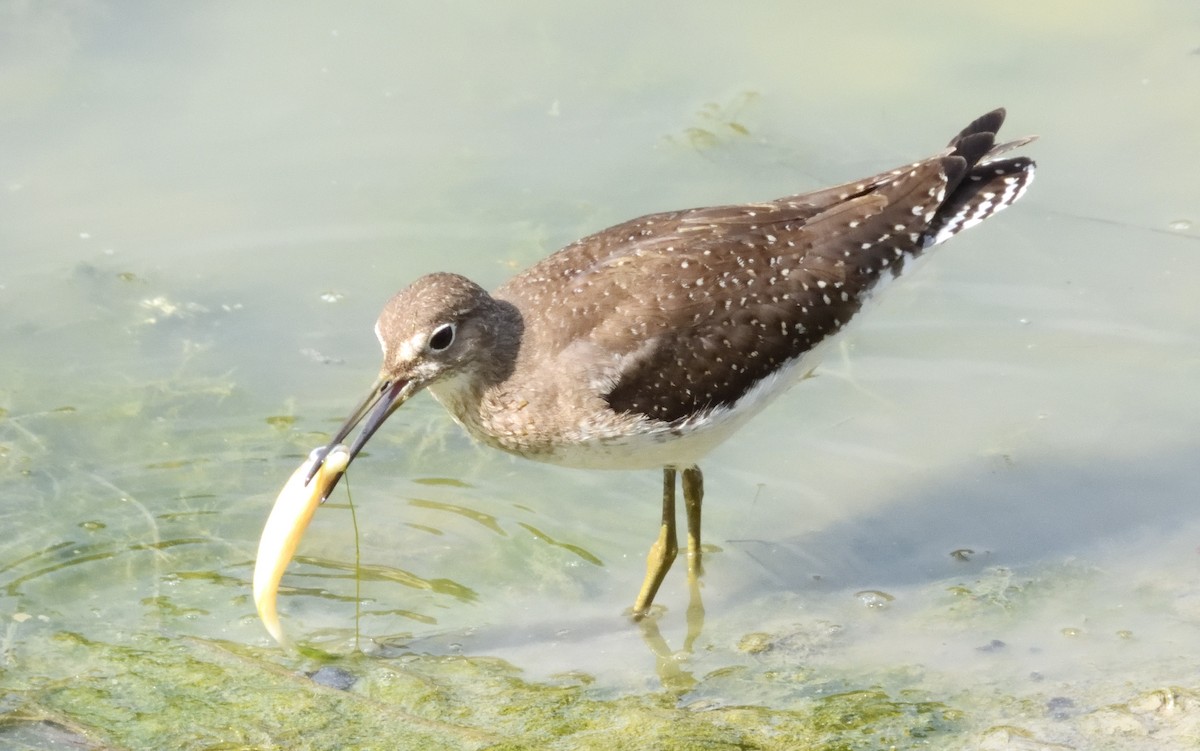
x: 442, y: 337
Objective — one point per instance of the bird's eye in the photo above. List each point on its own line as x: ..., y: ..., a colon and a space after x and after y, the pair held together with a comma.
x: 442, y: 338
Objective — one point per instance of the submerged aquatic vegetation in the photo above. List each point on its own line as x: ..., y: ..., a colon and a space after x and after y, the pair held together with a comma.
x: 191, y: 693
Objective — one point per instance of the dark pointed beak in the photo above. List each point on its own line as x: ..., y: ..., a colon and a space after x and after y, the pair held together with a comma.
x: 385, y: 397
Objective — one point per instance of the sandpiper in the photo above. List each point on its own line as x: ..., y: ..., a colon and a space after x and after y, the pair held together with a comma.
x: 647, y: 344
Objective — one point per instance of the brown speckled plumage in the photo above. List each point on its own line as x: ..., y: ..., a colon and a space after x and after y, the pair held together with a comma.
x: 649, y: 342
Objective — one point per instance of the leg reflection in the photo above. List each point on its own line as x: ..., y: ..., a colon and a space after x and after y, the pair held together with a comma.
x: 671, y: 666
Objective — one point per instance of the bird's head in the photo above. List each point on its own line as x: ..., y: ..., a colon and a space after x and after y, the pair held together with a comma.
x: 439, y: 327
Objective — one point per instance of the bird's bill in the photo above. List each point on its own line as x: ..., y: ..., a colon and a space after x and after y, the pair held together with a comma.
x: 384, y: 398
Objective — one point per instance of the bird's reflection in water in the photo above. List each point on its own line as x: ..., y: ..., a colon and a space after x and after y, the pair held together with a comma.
x: 671, y: 666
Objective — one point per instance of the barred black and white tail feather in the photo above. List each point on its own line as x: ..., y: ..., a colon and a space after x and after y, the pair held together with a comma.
x: 979, y: 184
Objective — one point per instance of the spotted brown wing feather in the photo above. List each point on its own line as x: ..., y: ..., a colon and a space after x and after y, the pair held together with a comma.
x: 759, y: 285
x: 606, y: 259
x: 752, y: 300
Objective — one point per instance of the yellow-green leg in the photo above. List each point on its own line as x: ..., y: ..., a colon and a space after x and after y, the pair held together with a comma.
x: 693, y: 497
x: 663, y: 551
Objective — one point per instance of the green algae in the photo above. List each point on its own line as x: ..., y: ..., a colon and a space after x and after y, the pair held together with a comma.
x: 193, y: 694
x: 570, y: 547
x: 800, y: 686
x: 189, y: 693
x: 716, y: 123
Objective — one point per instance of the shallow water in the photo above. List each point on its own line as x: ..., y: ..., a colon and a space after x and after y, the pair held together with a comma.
x: 200, y: 217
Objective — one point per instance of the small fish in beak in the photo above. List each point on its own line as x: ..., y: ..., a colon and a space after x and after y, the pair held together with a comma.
x: 308, y: 486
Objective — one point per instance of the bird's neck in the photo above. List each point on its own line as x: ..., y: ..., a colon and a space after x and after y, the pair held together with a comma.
x: 505, y: 330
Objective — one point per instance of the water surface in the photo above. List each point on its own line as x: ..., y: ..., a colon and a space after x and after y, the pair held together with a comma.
x: 201, y: 215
